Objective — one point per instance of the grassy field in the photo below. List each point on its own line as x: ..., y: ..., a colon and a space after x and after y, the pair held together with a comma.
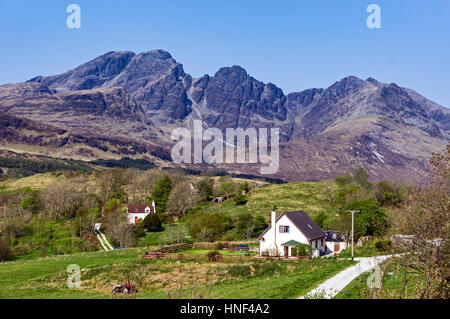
x: 47, y: 277
x: 223, y: 252
x: 312, y: 197
x: 393, y: 285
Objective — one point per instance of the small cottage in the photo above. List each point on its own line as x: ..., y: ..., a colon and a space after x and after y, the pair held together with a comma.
x: 333, y: 242
x: 139, y: 211
x: 289, y: 230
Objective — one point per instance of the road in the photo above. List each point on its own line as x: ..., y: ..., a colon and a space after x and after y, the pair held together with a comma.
x: 102, y: 239
x: 334, y: 285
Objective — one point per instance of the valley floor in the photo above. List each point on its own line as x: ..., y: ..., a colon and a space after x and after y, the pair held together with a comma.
x: 47, y: 277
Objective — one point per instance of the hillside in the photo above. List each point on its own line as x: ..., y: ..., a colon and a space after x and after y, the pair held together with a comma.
x: 312, y: 197
x: 127, y: 104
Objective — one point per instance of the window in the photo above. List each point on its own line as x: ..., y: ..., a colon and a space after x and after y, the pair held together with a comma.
x: 284, y: 229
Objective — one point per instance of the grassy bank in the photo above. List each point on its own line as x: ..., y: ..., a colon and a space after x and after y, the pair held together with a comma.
x: 47, y: 277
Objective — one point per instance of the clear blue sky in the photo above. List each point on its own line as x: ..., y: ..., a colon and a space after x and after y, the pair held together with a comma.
x: 294, y: 44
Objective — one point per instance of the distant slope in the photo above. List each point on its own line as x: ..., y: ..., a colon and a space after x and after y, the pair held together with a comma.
x: 312, y: 197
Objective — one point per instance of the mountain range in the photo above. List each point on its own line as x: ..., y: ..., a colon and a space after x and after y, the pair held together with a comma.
x: 127, y: 104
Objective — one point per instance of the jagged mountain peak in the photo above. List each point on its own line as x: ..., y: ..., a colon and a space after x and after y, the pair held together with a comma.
x: 89, y: 75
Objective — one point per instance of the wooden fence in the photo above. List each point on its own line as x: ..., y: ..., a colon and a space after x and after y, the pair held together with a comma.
x: 174, y: 248
x: 216, y: 258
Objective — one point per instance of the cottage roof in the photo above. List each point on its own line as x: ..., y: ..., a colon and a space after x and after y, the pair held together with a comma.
x: 139, y: 208
x: 333, y: 236
x: 304, y: 223
x: 291, y: 243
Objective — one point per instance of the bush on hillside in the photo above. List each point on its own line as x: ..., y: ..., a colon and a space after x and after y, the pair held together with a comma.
x: 5, y: 250
x: 383, y: 244
x: 302, y: 250
x: 208, y: 227
x: 212, y: 255
x: 371, y: 219
x: 153, y: 223
x: 240, y: 199
x: 240, y: 270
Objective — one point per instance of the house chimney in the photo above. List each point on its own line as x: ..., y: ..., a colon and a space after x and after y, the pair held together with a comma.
x: 154, y: 206
x: 274, y: 228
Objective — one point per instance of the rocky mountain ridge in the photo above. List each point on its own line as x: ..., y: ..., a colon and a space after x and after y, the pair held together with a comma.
x: 383, y: 127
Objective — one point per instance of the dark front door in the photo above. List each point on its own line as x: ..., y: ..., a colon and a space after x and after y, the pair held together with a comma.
x: 286, y: 251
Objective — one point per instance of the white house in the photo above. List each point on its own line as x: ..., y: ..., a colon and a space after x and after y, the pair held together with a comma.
x: 139, y: 211
x: 291, y: 229
x: 333, y: 242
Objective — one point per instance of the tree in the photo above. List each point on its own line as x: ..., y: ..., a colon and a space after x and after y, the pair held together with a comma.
x: 181, y: 199
x: 116, y: 223
x: 371, y: 220
x: 5, y: 250
x: 388, y: 194
x: 240, y: 199
x: 208, y: 227
x: 244, y: 188
x: 302, y: 250
x: 111, y: 184
x: 344, y: 180
x: 425, y: 219
x: 260, y: 225
x: 153, y: 223
x: 205, y: 189
x: 245, y: 225
x: 361, y: 178
x: 30, y: 203
x: 143, y: 183
x: 61, y: 199
x: 320, y: 219
x: 226, y: 189
x: 161, y: 192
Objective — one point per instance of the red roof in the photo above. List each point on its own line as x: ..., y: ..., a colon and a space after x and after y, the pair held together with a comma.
x: 139, y: 208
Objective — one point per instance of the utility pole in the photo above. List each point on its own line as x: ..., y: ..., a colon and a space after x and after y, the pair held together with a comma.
x: 353, y: 222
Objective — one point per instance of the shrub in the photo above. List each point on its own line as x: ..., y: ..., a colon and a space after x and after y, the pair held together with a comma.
x: 212, y: 255
x: 260, y: 225
x: 371, y: 220
x: 139, y: 229
x: 205, y: 189
x: 208, y: 227
x: 388, y: 194
x: 240, y: 199
x: 5, y: 250
x: 30, y: 204
x: 245, y: 225
x: 383, y: 244
x: 219, y: 246
x: 320, y: 219
x: 302, y: 250
x: 239, y: 270
x: 244, y: 187
x: 153, y: 223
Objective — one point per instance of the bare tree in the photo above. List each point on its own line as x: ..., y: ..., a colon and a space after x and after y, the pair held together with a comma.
x: 182, y: 198
x: 61, y: 199
x: 142, y: 183
x: 117, y: 226
x: 426, y: 221
x: 111, y: 183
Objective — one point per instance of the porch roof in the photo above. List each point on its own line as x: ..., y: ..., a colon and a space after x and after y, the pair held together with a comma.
x: 290, y: 243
